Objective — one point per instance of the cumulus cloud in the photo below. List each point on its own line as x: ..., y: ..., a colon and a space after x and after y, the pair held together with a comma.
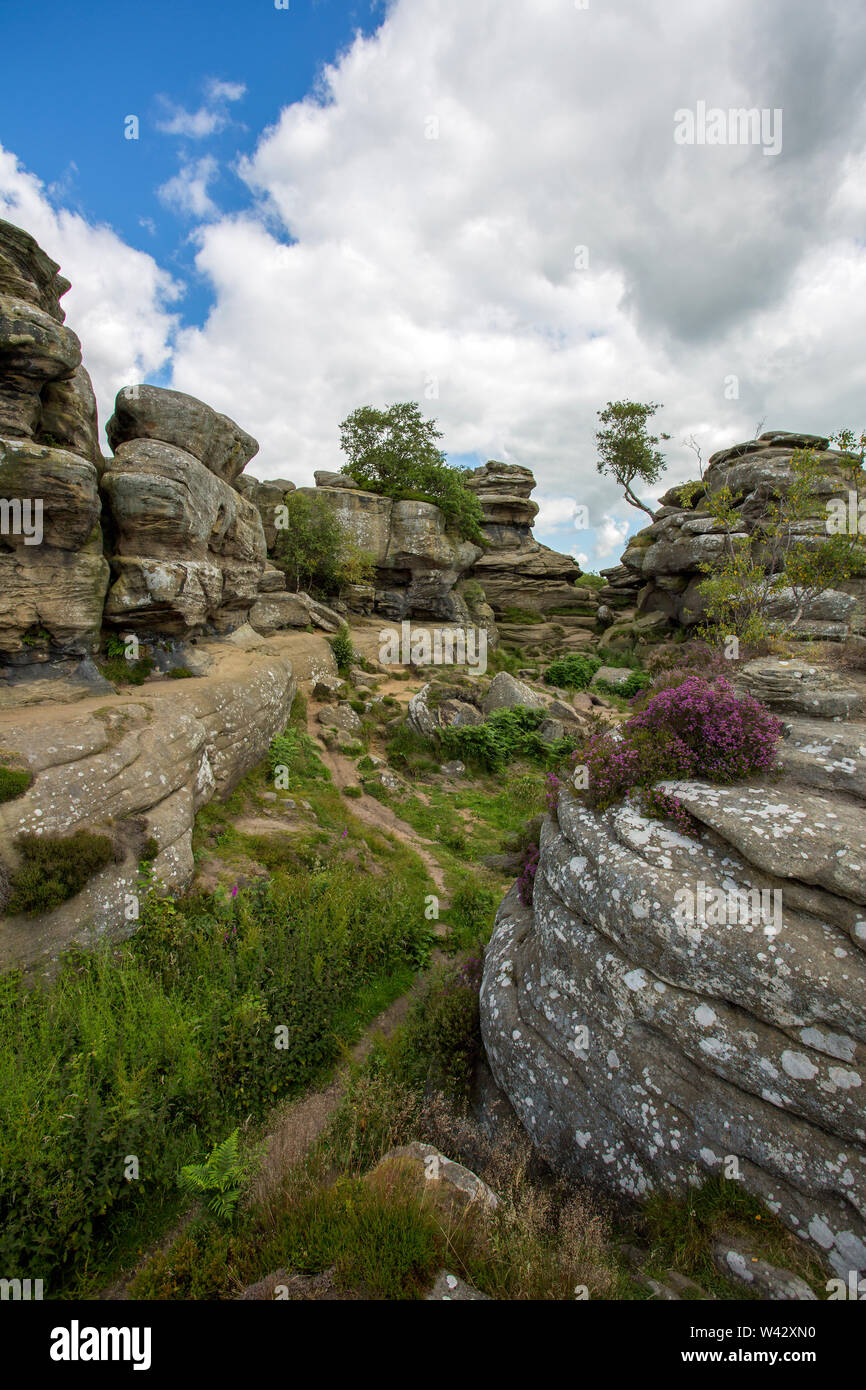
x: 208, y: 119
x: 119, y: 300
x: 187, y: 191
x: 483, y: 208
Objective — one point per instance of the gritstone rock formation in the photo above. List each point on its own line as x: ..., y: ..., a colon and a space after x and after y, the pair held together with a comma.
x: 53, y: 575
x: 516, y: 571
x: 187, y: 548
x: 643, y: 1043
x: 663, y: 559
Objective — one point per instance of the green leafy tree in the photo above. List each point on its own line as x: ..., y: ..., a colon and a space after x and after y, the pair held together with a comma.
x: 394, y: 452
x: 627, y: 451
x: 308, y: 548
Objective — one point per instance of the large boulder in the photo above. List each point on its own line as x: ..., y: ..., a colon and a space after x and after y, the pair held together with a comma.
x: 671, y: 1008
x: 152, y: 412
x: 507, y: 692
x: 188, y: 550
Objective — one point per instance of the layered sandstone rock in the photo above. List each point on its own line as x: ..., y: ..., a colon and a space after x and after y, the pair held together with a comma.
x: 134, y: 767
x: 665, y: 558
x: 418, y: 560
x: 646, y: 1038
x: 53, y: 576
x: 188, y: 550
x: 516, y: 571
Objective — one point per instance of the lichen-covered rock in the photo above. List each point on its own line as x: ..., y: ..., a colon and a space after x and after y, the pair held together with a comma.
x: 669, y: 1007
x: 506, y: 692
x: 665, y: 557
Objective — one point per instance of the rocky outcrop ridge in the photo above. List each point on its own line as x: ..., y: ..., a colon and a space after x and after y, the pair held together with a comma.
x: 664, y: 558
x: 53, y: 575
x: 648, y: 1043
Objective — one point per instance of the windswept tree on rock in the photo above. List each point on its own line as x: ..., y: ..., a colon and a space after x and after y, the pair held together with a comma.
x: 627, y: 451
x: 394, y: 452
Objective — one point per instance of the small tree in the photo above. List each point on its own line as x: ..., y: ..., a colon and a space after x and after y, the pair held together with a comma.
x: 627, y: 451
x: 308, y: 549
x: 394, y: 452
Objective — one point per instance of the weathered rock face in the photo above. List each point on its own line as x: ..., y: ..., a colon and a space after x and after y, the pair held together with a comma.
x: 651, y: 1015
x: 134, y: 766
x: 516, y: 571
x: 188, y: 549
x: 53, y: 576
x: 267, y: 496
x: 418, y: 560
x: 664, y: 558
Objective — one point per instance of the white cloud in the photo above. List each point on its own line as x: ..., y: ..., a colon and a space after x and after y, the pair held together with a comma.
x: 187, y: 191
x: 378, y: 258
x: 118, y: 303
x: 209, y: 119
x: 554, y: 511
x: 610, y: 537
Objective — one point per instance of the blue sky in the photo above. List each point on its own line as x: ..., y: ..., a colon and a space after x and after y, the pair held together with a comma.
x: 161, y: 58
x: 477, y: 204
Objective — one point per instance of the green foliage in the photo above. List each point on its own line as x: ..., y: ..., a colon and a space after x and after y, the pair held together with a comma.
x: 55, y: 868
x: 308, y: 549
x: 634, y: 682
x: 505, y: 735
x: 180, y: 673
x: 14, y: 782
x: 441, y: 1041
x: 353, y: 792
x: 161, y: 1046
x: 589, y: 580
x: 122, y: 672
x: 394, y: 452
x: 627, y: 451
x: 343, y: 649
x: 471, y: 913
x: 296, y: 751
x: 220, y: 1180
x: 572, y: 672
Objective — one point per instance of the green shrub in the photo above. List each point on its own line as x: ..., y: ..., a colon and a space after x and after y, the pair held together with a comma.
x: 442, y: 1038
x: 119, y: 671
x: 55, y: 868
x: 634, y: 682
x: 590, y: 581
x: 505, y: 735
x: 14, y: 782
x: 180, y: 673
x: 572, y: 672
x: 296, y: 751
x: 353, y: 791
x: 344, y: 651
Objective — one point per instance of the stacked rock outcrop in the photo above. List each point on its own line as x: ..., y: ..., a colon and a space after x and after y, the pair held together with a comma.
x: 671, y: 1008
x: 664, y: 558
x: 53, y: 575
x: 516, y: 570
x: 187, y: 549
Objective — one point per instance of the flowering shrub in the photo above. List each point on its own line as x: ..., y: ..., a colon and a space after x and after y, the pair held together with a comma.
x: 662, y: 805
x: 699, y: 728
x: 528, y: 870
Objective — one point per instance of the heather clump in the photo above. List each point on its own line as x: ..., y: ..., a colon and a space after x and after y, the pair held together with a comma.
x: 699, y: 728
